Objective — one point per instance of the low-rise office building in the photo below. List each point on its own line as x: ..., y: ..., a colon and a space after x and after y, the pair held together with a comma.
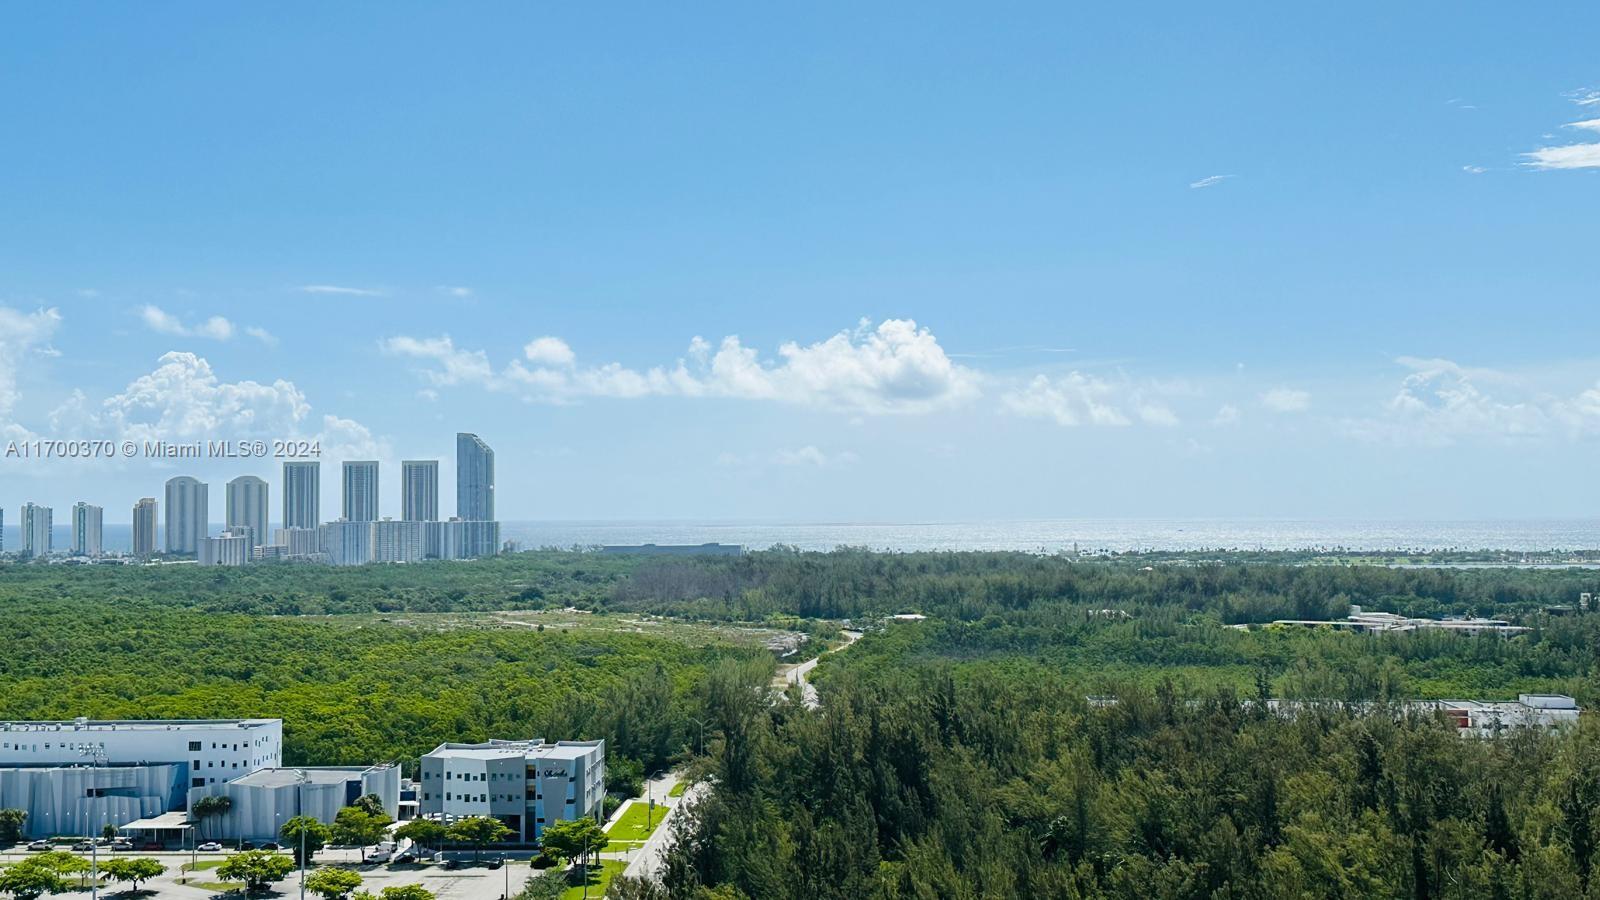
x: 528, y: 785
x: 266, y: 798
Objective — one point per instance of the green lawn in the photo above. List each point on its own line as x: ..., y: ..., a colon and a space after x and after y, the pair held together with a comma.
x: 637, y: 823
x: 599, y: 879
x: 678, y: 789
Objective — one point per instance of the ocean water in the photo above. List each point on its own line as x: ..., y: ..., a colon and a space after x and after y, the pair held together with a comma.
x: 1035, y: 536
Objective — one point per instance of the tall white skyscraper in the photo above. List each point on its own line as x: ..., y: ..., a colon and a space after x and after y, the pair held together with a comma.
x: 188, y: 514
x: 87, y: 529
x: 247, y: 508
x: 474, y: 479
x: 419, y: 490
x: 360, y: 491
x: 302, y: 494
x: 144, y: 527
x: 36, y: 522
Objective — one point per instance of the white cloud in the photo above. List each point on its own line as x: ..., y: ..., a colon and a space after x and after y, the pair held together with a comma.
x: 1071, y: 399
x: 1286, y: 400
x: 22, y: 334
x: 1440, y: 402
x: 1209, y: 181
x: 262, y: 335
x: 893, y: 368
x: 454, y: 290
x: 1570, y: 156
x: 338, y: 289
x: 1474, y: 170
x: 159, y: 320
x: 1227, y: 414
x: 810, y: 456
x: 549, y: 351
x: 182, y: 399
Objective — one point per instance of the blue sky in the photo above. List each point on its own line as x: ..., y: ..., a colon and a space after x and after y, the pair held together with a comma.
x: 1181, y: 261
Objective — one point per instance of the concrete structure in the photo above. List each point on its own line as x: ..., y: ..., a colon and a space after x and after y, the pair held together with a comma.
x: 419, y: 490
x: 36, y: 525
x: 144, y: 527
x: 266, y: 798
x: 188, y: 514
x: 360, y: 487
x: 347, y: 543
x: 74, y: 777
x: 88, y: 529
x: 525, y: 784
x: 299, y: 542
x: 397, y: 541
x: 302, y: 494
x: 227, y: 549
x: 246, y: 512
x: 458, y: 539
x: 474, y: 479
x: 1391, y: 623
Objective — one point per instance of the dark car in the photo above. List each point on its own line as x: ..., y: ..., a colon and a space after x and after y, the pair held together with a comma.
x: 407, y: 858
x: 246, y: 845
x: 494, y: 862
x: 452, y: 864
x: 269, y: 845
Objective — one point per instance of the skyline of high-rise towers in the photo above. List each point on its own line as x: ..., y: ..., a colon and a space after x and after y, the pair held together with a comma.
x: 302, y: 493
x: 88, y: 530
x: 474, y: 478
x: 144, y: 527
x: 246, y: 508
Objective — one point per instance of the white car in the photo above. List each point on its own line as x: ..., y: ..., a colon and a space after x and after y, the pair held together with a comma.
x: 209, y: 847
x: 379, y: 856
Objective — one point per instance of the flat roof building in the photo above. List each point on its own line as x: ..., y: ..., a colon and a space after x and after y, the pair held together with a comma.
x: 527, y: 785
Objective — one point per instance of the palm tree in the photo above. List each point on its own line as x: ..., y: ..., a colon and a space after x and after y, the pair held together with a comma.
x: 211, y: 807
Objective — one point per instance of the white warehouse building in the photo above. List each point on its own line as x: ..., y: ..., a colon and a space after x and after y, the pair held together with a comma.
x: 525, y: 784
x: 266, y: 798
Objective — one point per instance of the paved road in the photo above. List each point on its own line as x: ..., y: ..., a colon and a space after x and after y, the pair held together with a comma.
x: 800, y: 673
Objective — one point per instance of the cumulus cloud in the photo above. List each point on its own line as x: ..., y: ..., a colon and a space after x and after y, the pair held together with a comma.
x: 1286, y: 400
x: 262, y: 335
x: 159, y: 320
x: 1227, y: 414
x: 22, y: 334
x: 895, y: 367
x: 1079, y: 399
x: 1440, y: 402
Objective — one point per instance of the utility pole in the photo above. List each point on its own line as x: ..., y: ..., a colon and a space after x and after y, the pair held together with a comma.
x: 301, y: 778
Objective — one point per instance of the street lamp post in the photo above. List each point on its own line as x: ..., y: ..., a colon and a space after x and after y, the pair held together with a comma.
x: 650, y: 793
x: 97, y: 756
x: 301, y: 779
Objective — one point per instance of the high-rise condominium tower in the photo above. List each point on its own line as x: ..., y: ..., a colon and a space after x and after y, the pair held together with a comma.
x: 36, y: 522
x: 188, y: 514
x: 144, y: 527
x: 302, y: 494
x: 247, y: 508
x: 419, y: 490
x: 87, y: 529
x: 360, y: 491
x: 474, y: 479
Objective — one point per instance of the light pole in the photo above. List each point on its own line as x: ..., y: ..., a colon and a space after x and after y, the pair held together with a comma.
x: 650, y: 793
x: 98, y: 757
x: 702, y: 724
x: 301, y: 779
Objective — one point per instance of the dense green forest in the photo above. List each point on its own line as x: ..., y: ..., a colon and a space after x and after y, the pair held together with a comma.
x: 960, y: 756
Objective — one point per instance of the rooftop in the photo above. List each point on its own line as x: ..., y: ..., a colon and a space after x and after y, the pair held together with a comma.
x: 85, y: 724
x: 313, y: 775
x: 503, y: 749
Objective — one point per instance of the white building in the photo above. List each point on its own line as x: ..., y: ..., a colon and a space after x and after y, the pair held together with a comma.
x: 246, y: 508
x: 36, y: 525
x: 144, y: 527
x: 299, y: 541
x: 188, y: 514
x: 265, y: 799
x: 474, y: 478
x: 460, y: 539
x: 528, y: 785
x: 397, y: 541
x: 76, y: 776
x: 302, y: 494
x: 347, y: 543
x: 419, y: 490
x: 226, y: 549
x: 360, y: 499
x: 87, y: 529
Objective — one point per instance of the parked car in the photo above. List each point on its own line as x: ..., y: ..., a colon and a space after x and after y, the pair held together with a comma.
x: 452, y: 864
x: 40, y: 845
x: 246, y: 845
x: 209, y: 847
x: 406, y: 858
x: 495, y: 862
x: 269, y: 845
x: 83, y: 847
x: 122, y: 845
x: 378, y: 856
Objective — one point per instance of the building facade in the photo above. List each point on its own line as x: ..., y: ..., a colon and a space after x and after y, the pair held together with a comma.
x: 263, y: 800
x: 302, y: 494
x: 227, y: 549
x: 474, y: 479
x: 397, y: 541
x: 347, y: 543
x: 37, y: 522
x: 419, y: 490
x: 144, y: 527
x: 528, y: 785
x: 188, y: 514
x: 299, y: 542
x: 360, y: 491
x: 246, y: 508
x: 88, y: 529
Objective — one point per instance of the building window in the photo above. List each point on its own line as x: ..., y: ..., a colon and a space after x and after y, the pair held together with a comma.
x: 197, y: 765
x: 197, y: 782
x: 194, y: 746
